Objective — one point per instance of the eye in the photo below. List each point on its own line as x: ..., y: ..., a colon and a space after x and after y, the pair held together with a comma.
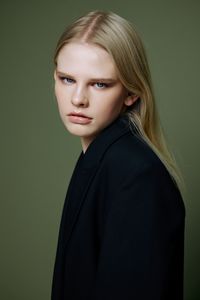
x: 66, y: 80
x: 101, y: 85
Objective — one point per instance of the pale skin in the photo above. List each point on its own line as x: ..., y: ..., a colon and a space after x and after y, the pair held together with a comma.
x: 89, y: 93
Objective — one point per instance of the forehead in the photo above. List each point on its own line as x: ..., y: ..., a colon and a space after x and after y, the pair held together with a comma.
x: 84, y: 58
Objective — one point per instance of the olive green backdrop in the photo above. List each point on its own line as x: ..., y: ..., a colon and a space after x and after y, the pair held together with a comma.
x: 38, y: 155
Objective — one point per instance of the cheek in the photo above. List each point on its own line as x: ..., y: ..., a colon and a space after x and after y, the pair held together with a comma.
x: 60, y: 96
x: 106, y: 113
x: 58, y: 92
x: 113, y: 104
x: 60, y: 101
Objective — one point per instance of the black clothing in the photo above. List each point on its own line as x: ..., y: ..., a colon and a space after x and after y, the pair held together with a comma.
x: 122, y: 229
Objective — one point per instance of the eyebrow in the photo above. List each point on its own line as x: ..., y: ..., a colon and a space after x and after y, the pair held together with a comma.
x: 100, y: 79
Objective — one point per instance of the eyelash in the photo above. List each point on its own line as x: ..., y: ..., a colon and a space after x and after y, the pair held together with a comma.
x: 105, y: 85
x: 62, y: 78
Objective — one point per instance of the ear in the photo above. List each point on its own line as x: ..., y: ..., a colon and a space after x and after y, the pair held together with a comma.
x: 130, y: 99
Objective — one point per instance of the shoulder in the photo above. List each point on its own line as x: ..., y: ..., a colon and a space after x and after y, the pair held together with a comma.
x: 130, y: 153
x: 135, y: 171
x: 130, y: 160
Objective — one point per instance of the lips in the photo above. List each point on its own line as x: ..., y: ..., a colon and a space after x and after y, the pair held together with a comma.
x: 79, y: 115
x: 79, y: 118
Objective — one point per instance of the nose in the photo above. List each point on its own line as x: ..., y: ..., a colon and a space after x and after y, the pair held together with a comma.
x: 79, y: 97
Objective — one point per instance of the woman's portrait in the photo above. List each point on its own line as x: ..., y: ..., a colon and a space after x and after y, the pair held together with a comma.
x: 122, y: 230
x: 99, y: 181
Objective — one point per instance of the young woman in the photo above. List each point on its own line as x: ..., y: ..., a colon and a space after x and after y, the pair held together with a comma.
x: 122, y: 229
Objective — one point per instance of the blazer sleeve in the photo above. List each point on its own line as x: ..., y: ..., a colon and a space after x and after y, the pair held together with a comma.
x: 142, y: 247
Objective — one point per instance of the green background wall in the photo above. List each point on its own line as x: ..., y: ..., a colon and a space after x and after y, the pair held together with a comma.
x: 38, y: 155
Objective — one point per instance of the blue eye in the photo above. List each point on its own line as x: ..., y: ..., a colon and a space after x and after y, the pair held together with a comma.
x: 101, y: 85
x: 66, y: 80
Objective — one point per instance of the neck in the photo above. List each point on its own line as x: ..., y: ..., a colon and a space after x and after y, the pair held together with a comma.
x: 85, y: 142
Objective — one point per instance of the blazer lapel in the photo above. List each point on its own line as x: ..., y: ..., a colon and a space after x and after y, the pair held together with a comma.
x: 76, y: 192
x: 84, y: 172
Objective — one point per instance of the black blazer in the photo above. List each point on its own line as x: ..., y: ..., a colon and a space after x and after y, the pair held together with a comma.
x: 122, y: 229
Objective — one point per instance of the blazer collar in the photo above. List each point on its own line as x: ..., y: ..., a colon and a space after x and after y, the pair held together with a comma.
x: 84, y: 172
x: 99, y: 145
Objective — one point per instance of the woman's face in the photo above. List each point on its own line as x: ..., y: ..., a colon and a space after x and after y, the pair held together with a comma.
x: 88, y: 91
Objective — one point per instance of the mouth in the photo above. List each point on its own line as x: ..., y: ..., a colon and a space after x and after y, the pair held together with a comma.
x: 80, y: 115
x: 79, y: 118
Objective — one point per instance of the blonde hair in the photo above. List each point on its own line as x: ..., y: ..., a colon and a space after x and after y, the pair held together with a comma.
x: 119, y: 38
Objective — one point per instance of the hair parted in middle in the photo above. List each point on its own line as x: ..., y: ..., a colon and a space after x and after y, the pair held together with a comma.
x: 119, y: 38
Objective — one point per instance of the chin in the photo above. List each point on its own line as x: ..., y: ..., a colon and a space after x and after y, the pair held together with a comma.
x: 77, y: 130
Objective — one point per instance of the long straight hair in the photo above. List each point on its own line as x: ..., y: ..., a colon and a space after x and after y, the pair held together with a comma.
x: 120, y: 39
